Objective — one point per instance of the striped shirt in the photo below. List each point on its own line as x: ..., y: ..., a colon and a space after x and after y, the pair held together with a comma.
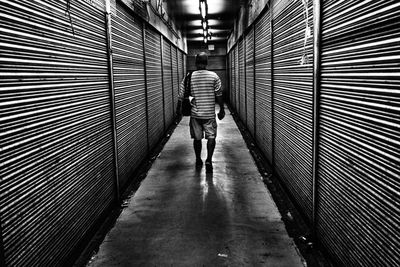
x: 205, y: 85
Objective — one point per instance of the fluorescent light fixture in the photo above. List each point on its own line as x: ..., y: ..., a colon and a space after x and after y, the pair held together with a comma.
x: 205, y: 40
x: 203, y: 8
x: 205, y: 33
x: 204, y: 23
x: 214, y: 22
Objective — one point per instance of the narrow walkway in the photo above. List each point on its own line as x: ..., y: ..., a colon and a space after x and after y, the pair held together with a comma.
x: 181, y: 216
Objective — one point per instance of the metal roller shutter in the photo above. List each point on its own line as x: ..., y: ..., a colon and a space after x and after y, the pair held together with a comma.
x: 231, y: 78
x: 175, y: 81
x: 155, y: 111
x: 228, y: 98
x: 263, y: 86
x: 237, y: 88
x: 57, y: 172
x: 250, y: 80
x: 232, y: 96
x: 168, y: 89
x: 184, y: 64
x: 181, y: 73
x: 180, y: 76
x: 359, y: 174
x: 180, y: 66
x: 292, y: 96
x: 242, y: 82
x: 130, y: 92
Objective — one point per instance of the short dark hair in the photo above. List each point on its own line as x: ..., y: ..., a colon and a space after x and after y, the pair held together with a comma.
x: 201, y: 59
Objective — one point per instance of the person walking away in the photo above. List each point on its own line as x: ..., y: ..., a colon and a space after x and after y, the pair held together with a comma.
x: 205, y: 88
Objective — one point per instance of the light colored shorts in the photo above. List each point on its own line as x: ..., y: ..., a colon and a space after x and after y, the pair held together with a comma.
x: 199, y: 127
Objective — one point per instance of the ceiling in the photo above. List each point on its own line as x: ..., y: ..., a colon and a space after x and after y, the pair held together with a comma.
x: 220, y: 16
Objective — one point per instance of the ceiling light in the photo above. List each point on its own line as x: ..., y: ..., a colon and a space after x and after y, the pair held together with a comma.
x: 203, y: 8
x: 204, y: 23
x: 205, y: 33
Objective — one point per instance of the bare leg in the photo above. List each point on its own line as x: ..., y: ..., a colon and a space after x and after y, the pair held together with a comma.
x: 197, y: 149
x: 210, y: 149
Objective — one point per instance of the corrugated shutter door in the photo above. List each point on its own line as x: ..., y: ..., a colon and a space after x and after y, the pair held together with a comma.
x: 154, y: 86
x: 180, y: 76
x: 250, y: 80
x: 237, y: 88
x: 167, y: 76
x: 56, y: 138
x: 184, y: 64
x: 242, y: 82
x: 130, y: 94
x: 231, y: 78
x: 180, y: 66
x: 263, y: 88
x: 293, y: 86
x: 232, y: 98
x: 175, y: 81
x: 359, y: 174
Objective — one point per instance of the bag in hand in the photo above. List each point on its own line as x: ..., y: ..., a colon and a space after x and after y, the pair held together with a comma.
x: 186, y: 106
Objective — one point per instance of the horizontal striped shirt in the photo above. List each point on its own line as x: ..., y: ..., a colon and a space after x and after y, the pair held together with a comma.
x: 205, y: 85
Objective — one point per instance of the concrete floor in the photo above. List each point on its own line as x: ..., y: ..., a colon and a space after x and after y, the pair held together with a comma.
x: 181, y: 216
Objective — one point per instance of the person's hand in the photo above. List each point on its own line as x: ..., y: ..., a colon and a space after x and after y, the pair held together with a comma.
x: 221, y: 114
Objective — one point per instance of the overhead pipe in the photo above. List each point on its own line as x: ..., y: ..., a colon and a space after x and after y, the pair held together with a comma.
x: 112, y: 99
x: 316, y: 111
